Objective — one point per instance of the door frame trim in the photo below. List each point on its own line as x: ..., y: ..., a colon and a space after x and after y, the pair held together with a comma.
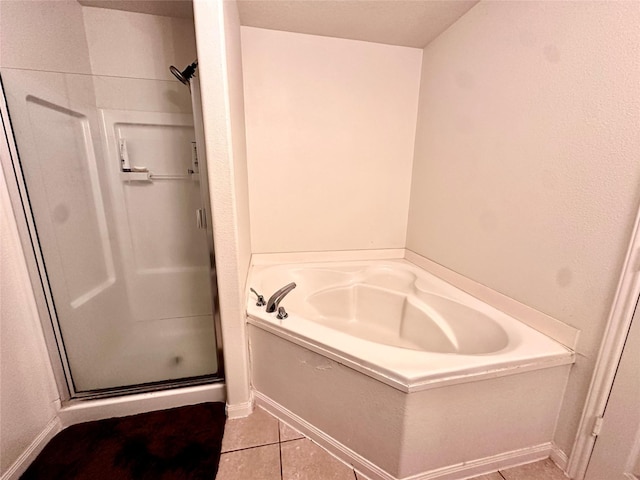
x: 618, y: 324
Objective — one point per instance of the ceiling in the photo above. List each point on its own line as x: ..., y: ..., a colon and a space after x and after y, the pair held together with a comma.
x: 409, y: 23
x: 164, y: 8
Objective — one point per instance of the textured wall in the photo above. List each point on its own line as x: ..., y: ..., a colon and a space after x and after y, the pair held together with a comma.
x: 38, y: 35
x: 330, y: 130
x: 218, y: 35
x: 526, y: 169
x: 29, y: 394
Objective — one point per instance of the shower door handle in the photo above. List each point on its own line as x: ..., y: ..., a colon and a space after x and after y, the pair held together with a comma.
x: 201, y: 218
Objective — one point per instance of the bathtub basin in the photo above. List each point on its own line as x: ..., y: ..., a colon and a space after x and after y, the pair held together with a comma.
x: 397, y: 323
x: 432, y: 324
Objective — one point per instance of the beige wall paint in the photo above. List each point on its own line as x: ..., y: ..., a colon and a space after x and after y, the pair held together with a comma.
x: 237, y: 126
x: 35, y: 35
x: 330, y: 130
x: 526, y: 169
x: 29, y: 400
x: 218, y: 35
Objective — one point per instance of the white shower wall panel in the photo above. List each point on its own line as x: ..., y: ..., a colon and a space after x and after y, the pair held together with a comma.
x: 166, y: 257
x: 76, y: 215
x: 43, y: 35
x: 137, y: 45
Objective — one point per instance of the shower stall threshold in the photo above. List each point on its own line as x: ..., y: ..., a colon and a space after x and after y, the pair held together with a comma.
x: 146, y: 387
x: 85, y: 410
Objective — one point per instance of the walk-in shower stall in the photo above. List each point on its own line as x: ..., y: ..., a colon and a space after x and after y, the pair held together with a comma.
x: 112, y: 183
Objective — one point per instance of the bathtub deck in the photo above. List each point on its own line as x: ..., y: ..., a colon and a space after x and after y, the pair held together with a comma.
x: 261, y: 446
x: 406, y: 369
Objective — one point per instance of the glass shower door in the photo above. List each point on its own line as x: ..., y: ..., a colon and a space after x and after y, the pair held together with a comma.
x: 116, y: 201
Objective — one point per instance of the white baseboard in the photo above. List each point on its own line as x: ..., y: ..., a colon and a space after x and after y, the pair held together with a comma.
x: 334, y: 447
x: 31, y: 452
x: 489, y: 464
x: 240, y: 410
x: 80, y: 411
x: 368, y: 469
x: 560, y: 458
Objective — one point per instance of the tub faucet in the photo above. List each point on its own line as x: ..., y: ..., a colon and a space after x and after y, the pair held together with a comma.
x: 260, y: 300
x: 276, y: 298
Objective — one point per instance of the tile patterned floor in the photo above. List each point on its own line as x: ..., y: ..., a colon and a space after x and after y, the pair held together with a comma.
x: 260, y: 447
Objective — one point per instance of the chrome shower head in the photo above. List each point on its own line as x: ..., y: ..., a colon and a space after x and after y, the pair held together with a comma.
x: 185, y: 75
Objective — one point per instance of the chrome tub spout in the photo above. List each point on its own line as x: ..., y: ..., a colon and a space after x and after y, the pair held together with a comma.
x: 276, y: 298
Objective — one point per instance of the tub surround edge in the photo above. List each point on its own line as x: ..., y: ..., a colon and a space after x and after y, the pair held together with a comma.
x: 551, y: 327
x: 395, y: 366
x: 403, y: 384
x: 327, y: 256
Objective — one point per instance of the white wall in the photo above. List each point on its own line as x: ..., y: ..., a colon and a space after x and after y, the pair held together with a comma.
x: 330, y: 131
x: 220, y: 69
x: 237, y: 127
x: 526, y: 169
x: 49, y: 36
x: 29, y: 400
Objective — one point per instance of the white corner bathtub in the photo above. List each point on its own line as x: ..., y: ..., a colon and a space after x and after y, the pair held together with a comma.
x: 397, y: 323
x: 400, y: 374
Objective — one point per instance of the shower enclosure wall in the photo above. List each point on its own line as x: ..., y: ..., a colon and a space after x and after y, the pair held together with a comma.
x: 114, y: 188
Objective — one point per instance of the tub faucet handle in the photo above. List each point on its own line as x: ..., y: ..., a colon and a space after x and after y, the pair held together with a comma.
x: 260, y: 302
x: 282, y: 313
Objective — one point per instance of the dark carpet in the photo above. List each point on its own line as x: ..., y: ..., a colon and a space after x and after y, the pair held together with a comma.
x: 179, y: 443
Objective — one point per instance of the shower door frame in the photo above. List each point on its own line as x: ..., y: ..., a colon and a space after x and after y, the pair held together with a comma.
x: 27, y: 231
x: 21, y: 207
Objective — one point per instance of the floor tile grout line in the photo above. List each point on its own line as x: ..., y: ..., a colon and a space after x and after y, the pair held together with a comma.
x: 249, y: 448
x: 500, y: 473
x: 292, y: 440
